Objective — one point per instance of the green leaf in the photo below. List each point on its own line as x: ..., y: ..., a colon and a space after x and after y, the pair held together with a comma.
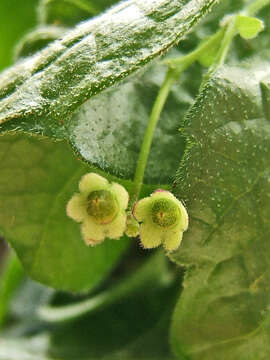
x: 50, y: 86
x: 113, y: 123
x: 12, y: 27
x: 248, y: 26
x: 265, y: 90
x: 224, y: 179
x: 38, y: 177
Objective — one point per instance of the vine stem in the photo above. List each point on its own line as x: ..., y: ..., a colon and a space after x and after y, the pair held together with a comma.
x: 176, y: 67
x: 229, y: 34
x: 149, y: 132
x: 256, y: 6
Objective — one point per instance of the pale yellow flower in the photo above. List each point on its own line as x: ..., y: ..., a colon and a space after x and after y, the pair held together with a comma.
x: 100, y: 207
x: 163, y: 219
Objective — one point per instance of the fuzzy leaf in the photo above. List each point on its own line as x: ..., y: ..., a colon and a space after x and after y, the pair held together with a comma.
x: 46, y: 89
x: 100, y: 131
x: 224, y: 179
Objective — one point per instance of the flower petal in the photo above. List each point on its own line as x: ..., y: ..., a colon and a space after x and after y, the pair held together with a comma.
x: 116, y: 228
x: 151, y: 236
x: 184, y: 216
x: 141, y: 209
x: 121, y: 194
x: 92, y: 233
x: 76, y: 208
x: 91, y: 182
x: 173, y: 239
x: 160, y: 193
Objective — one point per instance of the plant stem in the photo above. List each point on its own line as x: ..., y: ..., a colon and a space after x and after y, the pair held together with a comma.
x: 177, y: 66
x: 148, y: 136
x: 223, y: 50
x: 225, y: 44
x: 256, y: 6
x: 189, y: 59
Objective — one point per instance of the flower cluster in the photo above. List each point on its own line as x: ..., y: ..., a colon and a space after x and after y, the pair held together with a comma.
x: 101, y: 208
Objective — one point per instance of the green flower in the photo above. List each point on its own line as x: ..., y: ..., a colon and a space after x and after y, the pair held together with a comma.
x: 163, y: 220
x: 100, y: 207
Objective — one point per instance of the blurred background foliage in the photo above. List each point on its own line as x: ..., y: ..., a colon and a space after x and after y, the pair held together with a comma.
x: 16, y: 19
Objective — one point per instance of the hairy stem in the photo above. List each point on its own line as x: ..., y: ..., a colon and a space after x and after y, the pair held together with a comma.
x: 185, y: 61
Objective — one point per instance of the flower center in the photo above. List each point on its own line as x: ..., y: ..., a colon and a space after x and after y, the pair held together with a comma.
x: 165, y: 212
x: 102, y: 206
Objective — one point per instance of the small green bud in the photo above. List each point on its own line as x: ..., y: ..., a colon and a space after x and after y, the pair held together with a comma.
x: 100, y: 207
x: 163, y: 219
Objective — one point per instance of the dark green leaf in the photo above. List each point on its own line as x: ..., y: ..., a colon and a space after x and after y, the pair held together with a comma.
x: 224, y: 309
x: 50, y: 86
x: 107, y: 131
x: 37, y: 179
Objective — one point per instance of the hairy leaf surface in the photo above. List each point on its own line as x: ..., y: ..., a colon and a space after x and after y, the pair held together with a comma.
x: 225, y: 181
x: 107, y: 131
x: 46, y: 89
